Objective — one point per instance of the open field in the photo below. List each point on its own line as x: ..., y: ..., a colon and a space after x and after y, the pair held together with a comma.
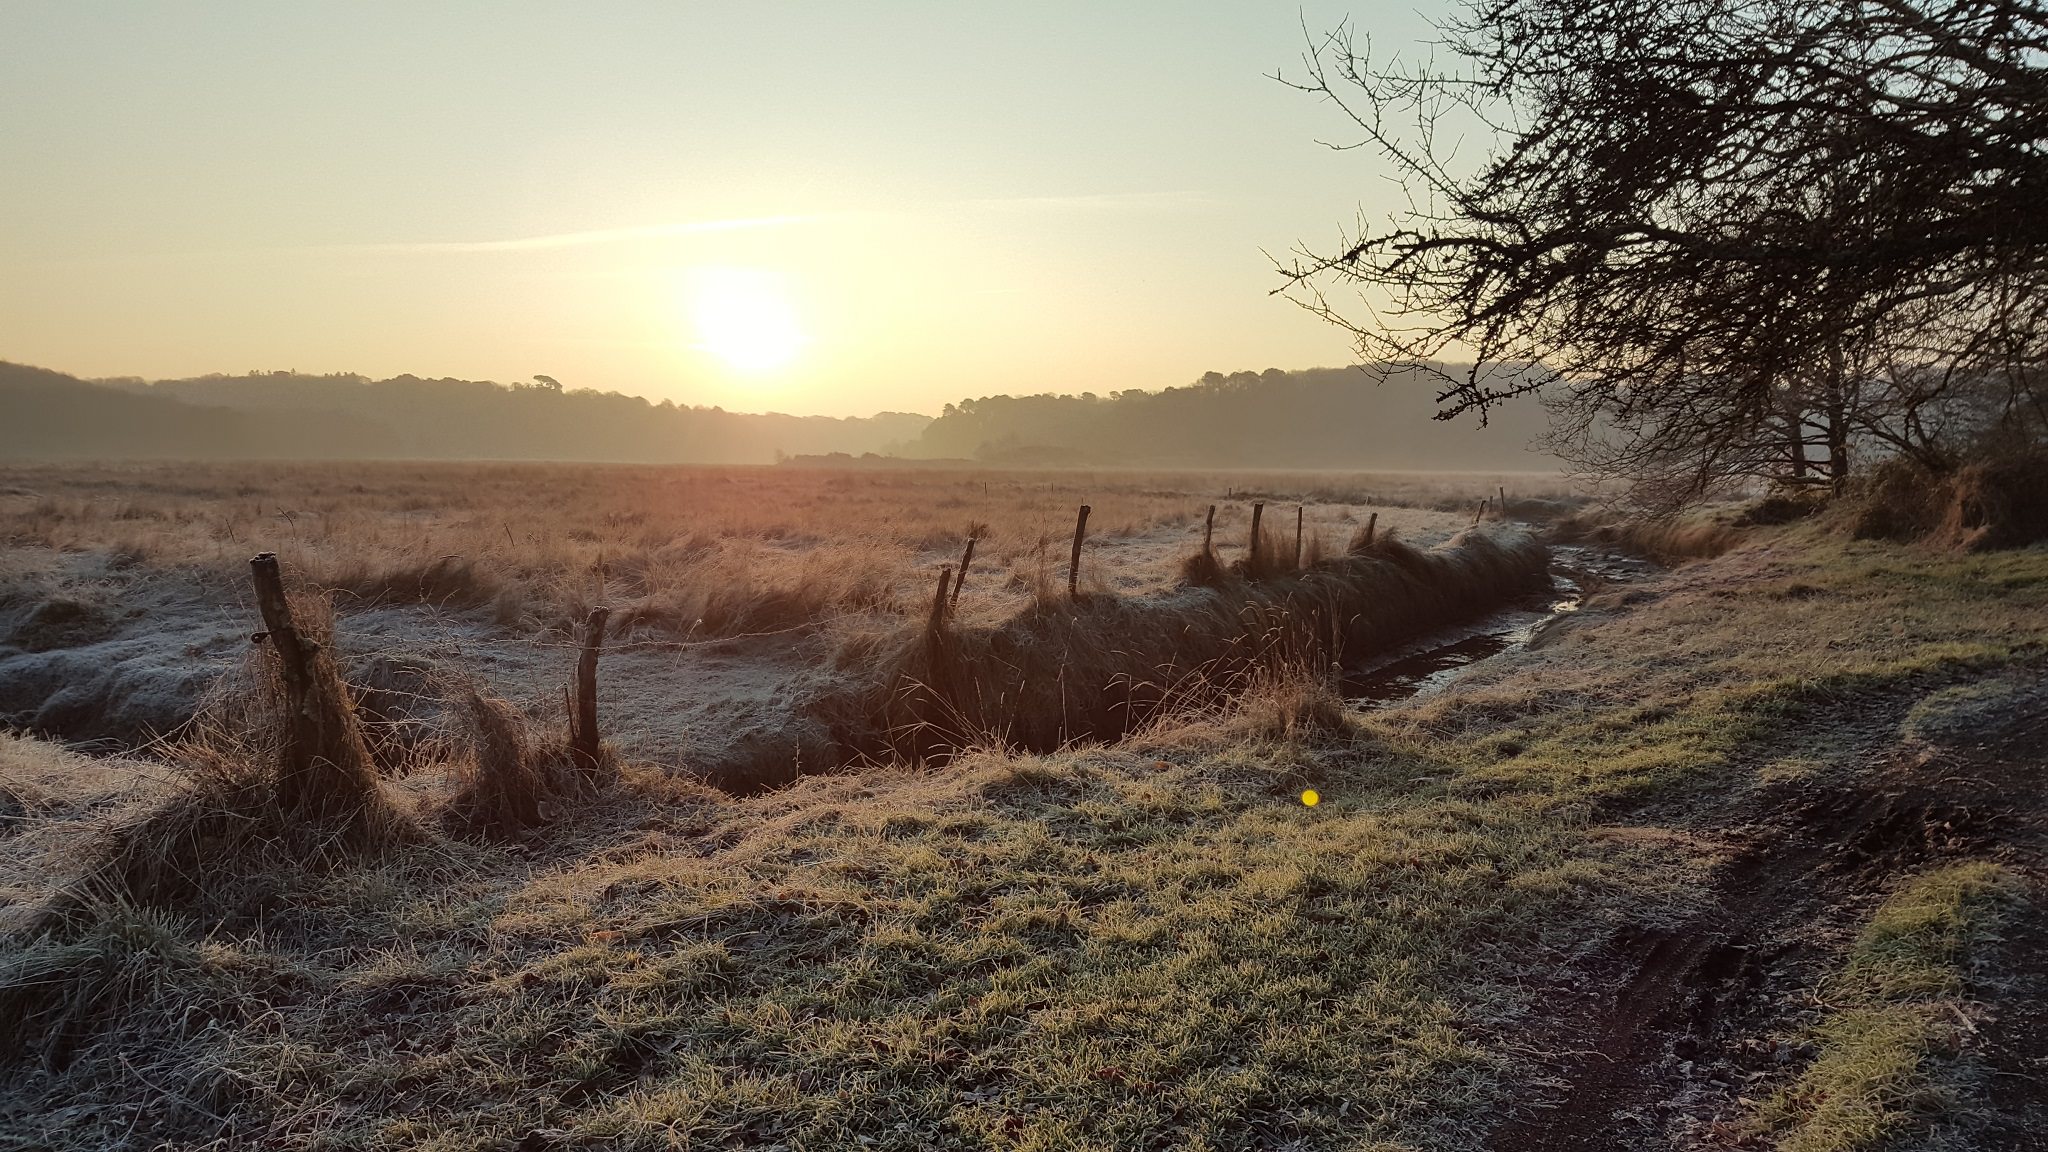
x: 717, y: 551
x: 736, y: 594
x: 1742, y: 854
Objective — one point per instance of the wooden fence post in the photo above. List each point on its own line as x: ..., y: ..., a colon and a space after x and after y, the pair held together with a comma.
x: 1252, y: 562
x: 960, y: 581
x: 1503, y: 501
x: 583, y: 737
x: 1074, y: 565
x: 1478, y: 512
x: 325, y: 764
x: 1208, y: 530
x: 1297, y: 535
x: 1371, y: 526
x: 938, y: 617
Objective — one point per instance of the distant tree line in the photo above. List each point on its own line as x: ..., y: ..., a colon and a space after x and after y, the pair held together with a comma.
x: 1319, y: 418
x: 286, y: 415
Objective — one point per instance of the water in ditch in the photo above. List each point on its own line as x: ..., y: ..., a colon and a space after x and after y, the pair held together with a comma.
x: 1426, y: 666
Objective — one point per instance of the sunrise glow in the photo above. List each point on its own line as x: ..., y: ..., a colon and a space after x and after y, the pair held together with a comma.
x: 744, y: 317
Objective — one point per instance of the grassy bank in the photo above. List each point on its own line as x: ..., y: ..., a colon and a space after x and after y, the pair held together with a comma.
x: 1101, y: 667
x: 1151, y: 945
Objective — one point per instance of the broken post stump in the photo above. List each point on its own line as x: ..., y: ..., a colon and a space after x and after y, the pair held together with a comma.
x: 584, y: 743
x: 1371, y: 526
x: 1297, y: 535
x: 1252, y: 562
x: 1074, y: 564
x: 938, y: 617
x: 960, y: 581
x: 935, y: 646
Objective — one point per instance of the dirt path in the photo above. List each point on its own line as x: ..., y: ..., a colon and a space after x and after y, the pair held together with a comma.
x: 1684, y: 1037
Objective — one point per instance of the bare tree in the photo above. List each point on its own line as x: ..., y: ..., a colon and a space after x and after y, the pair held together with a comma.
x: 1723, y: 238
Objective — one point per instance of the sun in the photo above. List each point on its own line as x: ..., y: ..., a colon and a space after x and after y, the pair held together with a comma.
x: 744, y: 317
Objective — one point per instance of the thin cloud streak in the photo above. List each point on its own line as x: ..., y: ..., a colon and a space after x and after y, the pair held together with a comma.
x: 1083, y: 202
x: 582, y: 239
x: 1091, y: 201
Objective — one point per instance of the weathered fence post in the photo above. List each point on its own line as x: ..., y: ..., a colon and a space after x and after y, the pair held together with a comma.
x: 326, y: 767
x: 1074, y: 565
x: 938, y: 618
x: 1252, y: 562
x: 1478, y: 513
x: 1503, y: 501
x: 1208, y: 530
x: 1297, y: 535
x: 960, y: 582
x: 583, y: 737
x: 1371, y: 526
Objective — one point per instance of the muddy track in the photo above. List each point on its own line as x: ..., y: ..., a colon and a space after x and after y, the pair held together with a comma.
x: 1665, y: 1058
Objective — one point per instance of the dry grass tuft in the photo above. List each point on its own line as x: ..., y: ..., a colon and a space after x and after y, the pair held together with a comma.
x: 1997, y: 503
x: 508, y: 776
x: 1203, y: 570
x: 1894, y: 501
x: 55, y: 994
x: 1294, y: 704
x: 443, y: 581
x: 1668, y: 541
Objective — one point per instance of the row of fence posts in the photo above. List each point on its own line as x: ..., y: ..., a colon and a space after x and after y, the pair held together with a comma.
x: 948, y: 596
x: 304, y: 735
x: 1480, y: 513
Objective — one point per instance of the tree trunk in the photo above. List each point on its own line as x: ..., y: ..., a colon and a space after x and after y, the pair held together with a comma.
x: 1838, y: 419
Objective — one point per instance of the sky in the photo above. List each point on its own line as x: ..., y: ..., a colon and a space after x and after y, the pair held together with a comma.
x: 816, y: 208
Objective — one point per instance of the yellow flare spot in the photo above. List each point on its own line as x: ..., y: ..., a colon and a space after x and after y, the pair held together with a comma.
x: 1310, y: 798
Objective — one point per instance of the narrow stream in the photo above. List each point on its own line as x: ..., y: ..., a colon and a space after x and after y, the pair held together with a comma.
x: 1426, y: 666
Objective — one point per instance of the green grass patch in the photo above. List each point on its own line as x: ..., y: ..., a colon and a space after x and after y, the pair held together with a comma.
x: 1892, y: 1010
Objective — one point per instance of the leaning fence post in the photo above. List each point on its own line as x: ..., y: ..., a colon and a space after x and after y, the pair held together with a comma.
x: 583, y: 738
x: 1252, y: 563
x: 324, y: 763
x: 1297, y: 535
x: 960, y: 582
x: 301, y: 725
x: 1478, y: 512
x: 1074, y: 564
x: 1371, y: 525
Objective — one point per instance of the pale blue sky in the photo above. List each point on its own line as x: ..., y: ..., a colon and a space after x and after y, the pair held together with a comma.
x: 916, y: 201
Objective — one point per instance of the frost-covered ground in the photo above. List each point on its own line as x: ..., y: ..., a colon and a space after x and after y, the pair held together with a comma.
x: 108, y: 654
